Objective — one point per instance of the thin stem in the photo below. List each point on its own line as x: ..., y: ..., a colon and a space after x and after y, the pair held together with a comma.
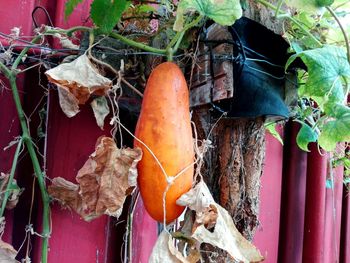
x: 288, y: 16
x: 10, y: 180
x: 36, y: 166
x: 330, y: 10
x: 279, y: 4
x: 132, y: 87
x: 170, y: 53
x: 30, y: 216
x: 307, y: 32
x: 11, y: 75
x: 178, y: 42
x: 23, y: 53
x: 29, y: 68
x: 137, y: 44
x: 7, y: 72
x: 186, y: 27
x: 112, y: 35
x: 68, y: 31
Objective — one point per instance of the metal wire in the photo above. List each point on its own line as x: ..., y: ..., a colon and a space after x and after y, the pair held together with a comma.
x: 46, y: 13
x: 66, y: 50
x: 240, y: 59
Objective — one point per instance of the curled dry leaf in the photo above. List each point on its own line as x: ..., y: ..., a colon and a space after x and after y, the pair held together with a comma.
x: 66, y: 42
x: 165, y: 251
x: 7, y: 253
x: 208, y: 223
x: 101, y: 110
x: 76, y: 82
x: 15, y: 191
x: 225, y: 235
x: 67, y: 193
x: 104, y: 181
x: 207, y: 217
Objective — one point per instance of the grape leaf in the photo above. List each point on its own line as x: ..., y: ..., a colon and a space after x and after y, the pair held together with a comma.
x: 328, y: 68
x: 106, y: 13
x: 70, y: 6
x: 306, y: 135
x: 337, y: 129
x: 223, y: 12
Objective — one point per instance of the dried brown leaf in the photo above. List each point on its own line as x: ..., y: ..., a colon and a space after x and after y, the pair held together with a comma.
x: 207, y: 218
x: 68, y: 103
x: 15, y: 191
x: 165, y: 251
x: 225, y: 235
x: 7, y: 253
x: 197, y: 199
x: 104, y: 181
x: 67, y: 193
x: 101, y: 110
x: 77, y: 81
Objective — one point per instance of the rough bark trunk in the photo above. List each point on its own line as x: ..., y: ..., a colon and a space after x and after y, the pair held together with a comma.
x: 265, y: 16
x: 232, y: 170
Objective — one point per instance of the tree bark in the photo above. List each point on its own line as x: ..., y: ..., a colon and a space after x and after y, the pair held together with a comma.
x: 232, y: 170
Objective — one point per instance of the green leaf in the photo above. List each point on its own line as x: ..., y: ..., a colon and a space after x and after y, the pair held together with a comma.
x: 306, y: 135
x: 70, y: 6
x: 271, y: 128
x: 223, y: 12
x: 327, y: 69
x: 337, y: 129
x: 307, y: 5
x: 336, y: 110
x: 322, y: 3
x: 141, y: 9
x: 106, y: 13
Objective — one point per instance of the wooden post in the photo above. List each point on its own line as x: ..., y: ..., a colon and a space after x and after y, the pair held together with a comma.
x: 233, y: 168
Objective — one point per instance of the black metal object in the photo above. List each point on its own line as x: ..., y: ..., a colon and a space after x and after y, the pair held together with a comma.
x: 258, y: 58
x: 34, y: 13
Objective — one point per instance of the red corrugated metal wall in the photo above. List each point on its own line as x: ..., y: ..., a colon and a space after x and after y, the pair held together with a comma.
x: 301, y: 220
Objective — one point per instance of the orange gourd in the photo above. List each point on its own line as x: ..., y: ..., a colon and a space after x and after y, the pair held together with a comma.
x: 164, y: 126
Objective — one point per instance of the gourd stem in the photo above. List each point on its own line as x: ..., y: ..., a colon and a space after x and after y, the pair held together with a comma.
x: 170, y: 53
x: 114, y: 35
x: 137, y: 44
x: 67, y: 32
x: 23, y: 53
x: 183, y: 31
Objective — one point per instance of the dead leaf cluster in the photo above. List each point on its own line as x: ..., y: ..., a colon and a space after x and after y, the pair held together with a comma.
x: 76, y: 82
x: 103, y: 183
x: 206, y: 222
